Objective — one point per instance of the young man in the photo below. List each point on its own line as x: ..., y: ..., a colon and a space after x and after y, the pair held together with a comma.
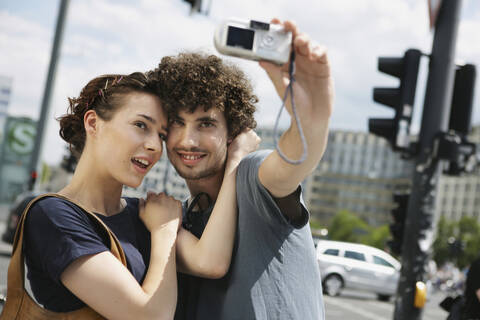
x: 273, y: 273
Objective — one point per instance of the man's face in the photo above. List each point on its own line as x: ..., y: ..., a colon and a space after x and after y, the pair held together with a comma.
x: 197, y: 143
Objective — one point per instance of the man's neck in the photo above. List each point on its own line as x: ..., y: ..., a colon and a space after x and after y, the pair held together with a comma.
x: 210, y: 185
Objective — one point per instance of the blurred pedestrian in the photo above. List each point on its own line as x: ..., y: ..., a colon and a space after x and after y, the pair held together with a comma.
x: 471, y: 309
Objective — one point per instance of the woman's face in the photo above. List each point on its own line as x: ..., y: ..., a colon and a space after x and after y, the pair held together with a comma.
x: 131, y: 142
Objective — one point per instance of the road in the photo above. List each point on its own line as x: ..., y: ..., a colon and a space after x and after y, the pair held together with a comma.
x: 364, y: 306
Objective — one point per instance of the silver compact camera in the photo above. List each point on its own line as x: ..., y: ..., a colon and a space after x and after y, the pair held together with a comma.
x: 254, y: 40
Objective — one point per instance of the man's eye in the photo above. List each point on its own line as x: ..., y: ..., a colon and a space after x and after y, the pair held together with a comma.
x: 206, y: 124
x: 140, y: 124
x: 176, y: 122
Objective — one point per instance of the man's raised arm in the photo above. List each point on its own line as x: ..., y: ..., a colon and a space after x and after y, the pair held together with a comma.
x: 314, y: 95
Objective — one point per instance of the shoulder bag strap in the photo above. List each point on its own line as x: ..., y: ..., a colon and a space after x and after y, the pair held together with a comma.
x: 16, y: 268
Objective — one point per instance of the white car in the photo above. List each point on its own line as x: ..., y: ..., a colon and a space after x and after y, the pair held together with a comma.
x: 357, y: 266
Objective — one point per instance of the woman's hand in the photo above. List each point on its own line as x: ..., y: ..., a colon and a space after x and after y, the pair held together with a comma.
x: 244, y: 143
x: 159, y: 211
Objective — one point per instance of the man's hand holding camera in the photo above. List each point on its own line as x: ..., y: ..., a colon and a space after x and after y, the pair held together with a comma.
x: 313, y: 88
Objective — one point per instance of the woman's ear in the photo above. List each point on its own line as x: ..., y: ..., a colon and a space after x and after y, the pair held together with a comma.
x: 90, y: 122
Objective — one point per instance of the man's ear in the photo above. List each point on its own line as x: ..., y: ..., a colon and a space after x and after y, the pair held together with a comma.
x: 90, y: 122
x: 229, y: 140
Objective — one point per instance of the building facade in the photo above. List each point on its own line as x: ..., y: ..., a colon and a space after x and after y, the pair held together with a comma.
x: 458, y: 196
x: 5, y: 93
x: 359, y: 172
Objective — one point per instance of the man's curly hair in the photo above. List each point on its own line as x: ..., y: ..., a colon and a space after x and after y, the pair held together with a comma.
x: 192, y: 80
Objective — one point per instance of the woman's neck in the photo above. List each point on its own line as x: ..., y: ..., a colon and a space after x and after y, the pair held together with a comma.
x: 95, y: 190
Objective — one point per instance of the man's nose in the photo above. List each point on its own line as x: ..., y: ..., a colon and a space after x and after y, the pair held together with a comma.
x: 188, y: 137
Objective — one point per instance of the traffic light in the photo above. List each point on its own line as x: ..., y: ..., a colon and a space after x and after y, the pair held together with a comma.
x: 460, y: 153
x: 462, y: 99
x: 401, y: 99
x: 195, y: 4
x: 69, y: 162
x: 32, y: 180
x: 399, y: 214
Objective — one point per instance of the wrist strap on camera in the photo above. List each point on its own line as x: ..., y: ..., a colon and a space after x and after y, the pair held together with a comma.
x: 289, y: 89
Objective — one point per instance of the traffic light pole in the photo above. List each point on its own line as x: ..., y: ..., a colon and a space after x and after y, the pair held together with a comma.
x: 417, y: 236
x: 48, y: 90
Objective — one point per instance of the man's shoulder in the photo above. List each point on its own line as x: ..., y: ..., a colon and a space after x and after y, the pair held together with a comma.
x: 254, y: 159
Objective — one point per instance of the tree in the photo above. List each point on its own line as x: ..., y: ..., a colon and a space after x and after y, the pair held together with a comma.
x: 457, y: 241
x: 445, y: 231
x: 345, y: 226
x: 378, y: 237
x: 469, y: 235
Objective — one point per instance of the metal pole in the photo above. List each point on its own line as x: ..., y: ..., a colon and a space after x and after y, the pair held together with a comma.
x: 418, y: 231
x: 48, y: 87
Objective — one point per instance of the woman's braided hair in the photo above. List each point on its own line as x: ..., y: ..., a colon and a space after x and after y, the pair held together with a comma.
x: 104, y: 94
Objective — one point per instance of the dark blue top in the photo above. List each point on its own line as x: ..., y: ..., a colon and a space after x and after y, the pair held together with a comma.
x: 57, y: 232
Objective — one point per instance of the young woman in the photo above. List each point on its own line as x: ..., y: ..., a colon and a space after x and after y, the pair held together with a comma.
x: 116, y: 127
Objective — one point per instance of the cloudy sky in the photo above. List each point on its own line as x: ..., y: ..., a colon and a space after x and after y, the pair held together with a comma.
x: 123, y: 36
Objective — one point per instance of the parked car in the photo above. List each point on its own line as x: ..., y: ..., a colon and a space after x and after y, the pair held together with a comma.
x: 357, y: 266
x: 16, y: 210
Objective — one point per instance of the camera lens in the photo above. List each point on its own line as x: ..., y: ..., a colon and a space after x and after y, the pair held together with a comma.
x: 268, y: 40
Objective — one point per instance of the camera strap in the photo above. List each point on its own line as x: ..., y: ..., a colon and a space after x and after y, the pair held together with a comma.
x: 289, y: 89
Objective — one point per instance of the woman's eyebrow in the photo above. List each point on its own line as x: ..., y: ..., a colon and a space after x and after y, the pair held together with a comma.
x: 147, y: 118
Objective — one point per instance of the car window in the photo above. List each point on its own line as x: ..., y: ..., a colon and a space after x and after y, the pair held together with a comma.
x: 332, y: 252
x: 382, y: 262
x: 354, y: 255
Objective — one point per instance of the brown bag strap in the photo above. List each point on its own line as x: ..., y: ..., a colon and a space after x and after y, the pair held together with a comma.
x: 16, y: 269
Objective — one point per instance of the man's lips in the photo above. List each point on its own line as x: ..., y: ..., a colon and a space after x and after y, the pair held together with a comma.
x: 191, y: 158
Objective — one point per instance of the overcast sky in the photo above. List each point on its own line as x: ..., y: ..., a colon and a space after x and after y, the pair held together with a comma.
x: 120, y: 36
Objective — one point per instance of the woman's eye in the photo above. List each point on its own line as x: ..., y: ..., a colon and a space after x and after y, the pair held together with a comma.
x: 141, y: 125
x: 162, y: 136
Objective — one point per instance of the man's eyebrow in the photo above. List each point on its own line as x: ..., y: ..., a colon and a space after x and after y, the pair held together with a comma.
x: 176, y: 117
x: 207, y: 119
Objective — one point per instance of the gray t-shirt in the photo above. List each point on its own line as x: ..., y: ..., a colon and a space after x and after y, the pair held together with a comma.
x: 274, y: 273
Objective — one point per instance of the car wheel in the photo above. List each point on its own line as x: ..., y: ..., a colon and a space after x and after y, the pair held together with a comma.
x: 333, y: 285
x: 383, y: 297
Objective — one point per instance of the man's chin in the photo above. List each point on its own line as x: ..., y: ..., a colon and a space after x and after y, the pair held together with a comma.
x: 192, y: 175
